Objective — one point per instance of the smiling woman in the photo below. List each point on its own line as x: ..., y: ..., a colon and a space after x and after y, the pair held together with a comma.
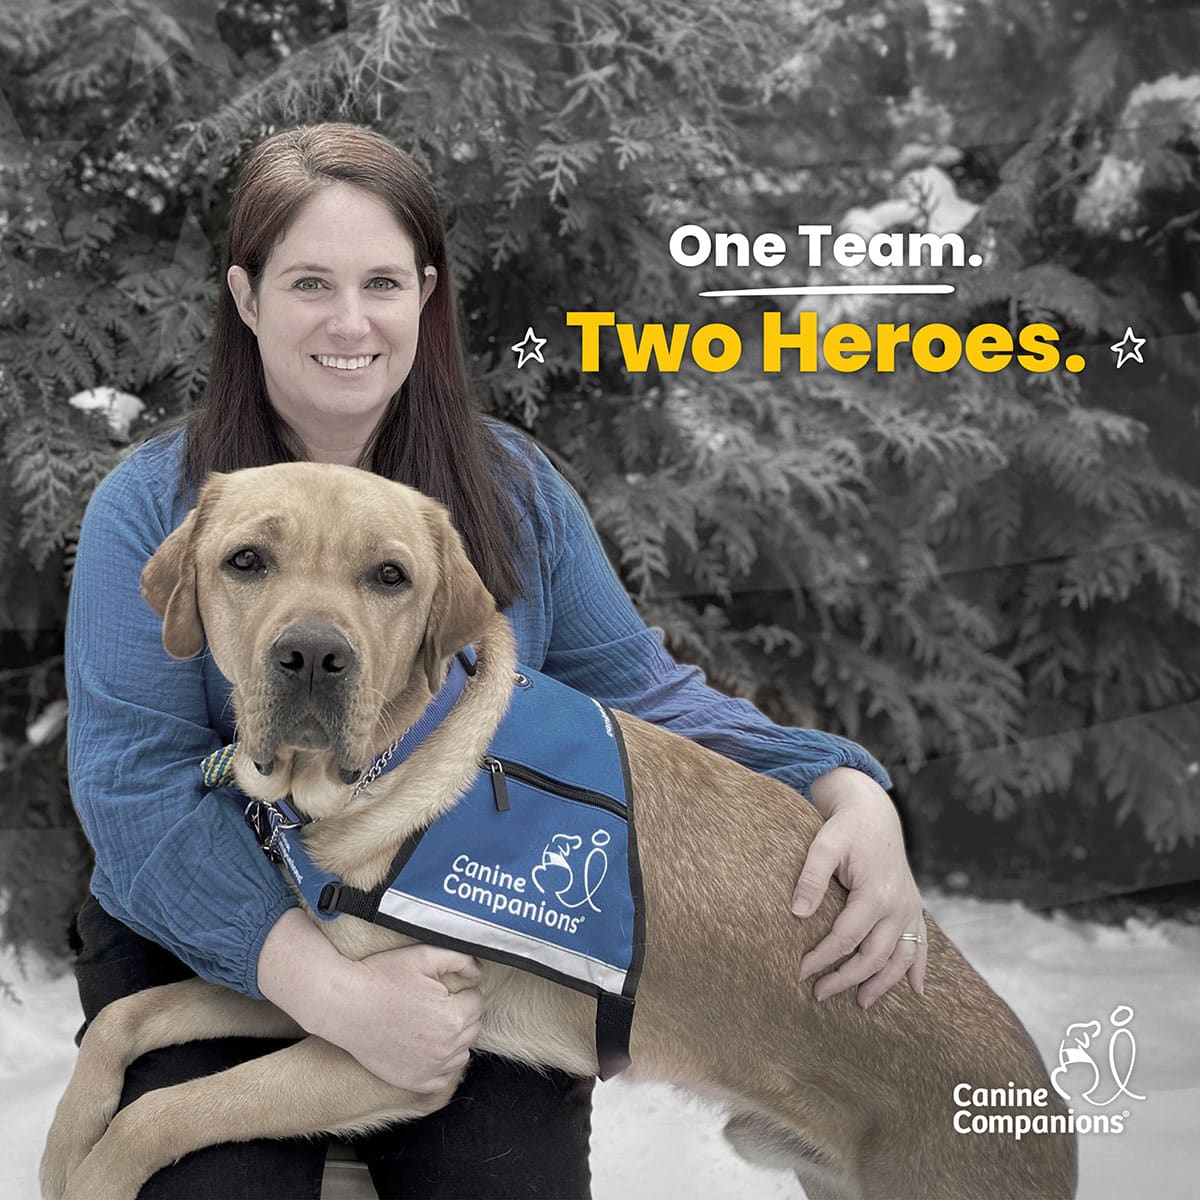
x: 337, y: 339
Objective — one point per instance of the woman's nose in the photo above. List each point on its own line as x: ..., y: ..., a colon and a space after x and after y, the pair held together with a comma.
x: 348, y: 321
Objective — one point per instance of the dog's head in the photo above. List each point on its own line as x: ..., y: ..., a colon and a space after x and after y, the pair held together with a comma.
x: 331, y: 599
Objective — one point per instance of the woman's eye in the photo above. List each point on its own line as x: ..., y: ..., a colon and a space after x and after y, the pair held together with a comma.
x: 246, y: 560
x: 308, y: 285
x: 390, y: 575
x: 382, y: 284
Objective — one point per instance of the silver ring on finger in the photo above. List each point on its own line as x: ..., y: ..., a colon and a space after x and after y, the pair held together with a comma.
x: 912, y: 937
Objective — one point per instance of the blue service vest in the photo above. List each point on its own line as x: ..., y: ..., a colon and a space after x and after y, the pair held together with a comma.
x: 535, y: 866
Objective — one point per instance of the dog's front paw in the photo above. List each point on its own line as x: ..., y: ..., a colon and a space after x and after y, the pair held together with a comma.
x: 79, y: 1123
x: 112, y: 1169
x: 77, y: 1127
x: 91, y: 1182
x: 87, y: 1106
x: 52, y: 1174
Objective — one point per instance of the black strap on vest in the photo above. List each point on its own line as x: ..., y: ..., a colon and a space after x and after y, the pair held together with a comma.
x: 614, y: 1020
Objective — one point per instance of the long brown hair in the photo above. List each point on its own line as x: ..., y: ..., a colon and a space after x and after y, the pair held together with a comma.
x: 430, y: 436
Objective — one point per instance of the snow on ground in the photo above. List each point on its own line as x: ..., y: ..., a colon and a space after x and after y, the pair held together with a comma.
x: 650, y: 1143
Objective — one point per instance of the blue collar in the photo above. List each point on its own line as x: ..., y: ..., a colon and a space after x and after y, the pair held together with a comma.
x: 462, y: 668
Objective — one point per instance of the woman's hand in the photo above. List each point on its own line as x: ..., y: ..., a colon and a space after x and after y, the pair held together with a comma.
x: 408, y: 1015
x: 862, y: 843
x: 415, y: 1014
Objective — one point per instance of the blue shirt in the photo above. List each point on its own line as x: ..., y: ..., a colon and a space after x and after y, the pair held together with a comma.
x: 180, y: 866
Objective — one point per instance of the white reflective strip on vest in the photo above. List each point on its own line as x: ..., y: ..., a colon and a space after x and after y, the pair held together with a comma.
x: 438, y: 919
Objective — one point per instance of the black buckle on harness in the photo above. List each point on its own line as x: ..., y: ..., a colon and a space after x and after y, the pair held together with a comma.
x: 331, y: 894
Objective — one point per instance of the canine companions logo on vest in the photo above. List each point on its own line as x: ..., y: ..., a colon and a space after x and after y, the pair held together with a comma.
x: 558, y: 855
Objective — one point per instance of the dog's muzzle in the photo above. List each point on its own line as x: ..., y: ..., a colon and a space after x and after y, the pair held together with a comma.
x: 312, y: 671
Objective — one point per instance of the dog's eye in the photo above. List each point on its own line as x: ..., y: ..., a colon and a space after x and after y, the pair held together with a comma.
x: 246, y: 560
x: 391, y: 575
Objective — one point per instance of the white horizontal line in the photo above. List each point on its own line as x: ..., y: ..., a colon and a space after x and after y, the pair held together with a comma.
x: 845, y: 289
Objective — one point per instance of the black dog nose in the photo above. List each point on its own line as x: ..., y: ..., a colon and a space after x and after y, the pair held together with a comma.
x: 312, y: 653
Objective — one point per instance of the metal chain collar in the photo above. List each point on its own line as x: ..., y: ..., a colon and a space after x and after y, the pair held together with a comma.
x: 377, y: 768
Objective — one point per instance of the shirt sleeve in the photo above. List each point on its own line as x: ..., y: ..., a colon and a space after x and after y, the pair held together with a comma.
x: 174, y: 862
x: 600, y: 645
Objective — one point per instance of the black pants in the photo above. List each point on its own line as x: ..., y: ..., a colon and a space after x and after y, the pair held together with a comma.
x: 510, y: 1133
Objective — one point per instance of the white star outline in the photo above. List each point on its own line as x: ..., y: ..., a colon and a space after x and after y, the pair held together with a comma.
x: 528, y: 351
x: 1130, y: 346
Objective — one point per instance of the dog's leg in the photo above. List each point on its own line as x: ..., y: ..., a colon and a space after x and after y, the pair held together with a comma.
x: 124, y: 1031
x: 307, y: 1088
x: 761, y: 1141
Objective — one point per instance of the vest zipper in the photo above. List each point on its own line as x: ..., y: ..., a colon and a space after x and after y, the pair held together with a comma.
x: 499, y: 787
x: 501, y: 767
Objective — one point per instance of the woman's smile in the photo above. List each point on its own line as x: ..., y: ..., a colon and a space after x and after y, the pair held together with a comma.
x: 346, y: 367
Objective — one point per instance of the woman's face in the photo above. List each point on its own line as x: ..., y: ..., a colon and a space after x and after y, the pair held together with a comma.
x: 337, y: 315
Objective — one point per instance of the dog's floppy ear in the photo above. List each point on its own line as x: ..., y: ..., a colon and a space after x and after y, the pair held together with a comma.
x: 461, y: 606
x: 169, y: 585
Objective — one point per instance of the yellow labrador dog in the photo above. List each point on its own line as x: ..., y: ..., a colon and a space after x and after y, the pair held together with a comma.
x: 860, y: 1103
